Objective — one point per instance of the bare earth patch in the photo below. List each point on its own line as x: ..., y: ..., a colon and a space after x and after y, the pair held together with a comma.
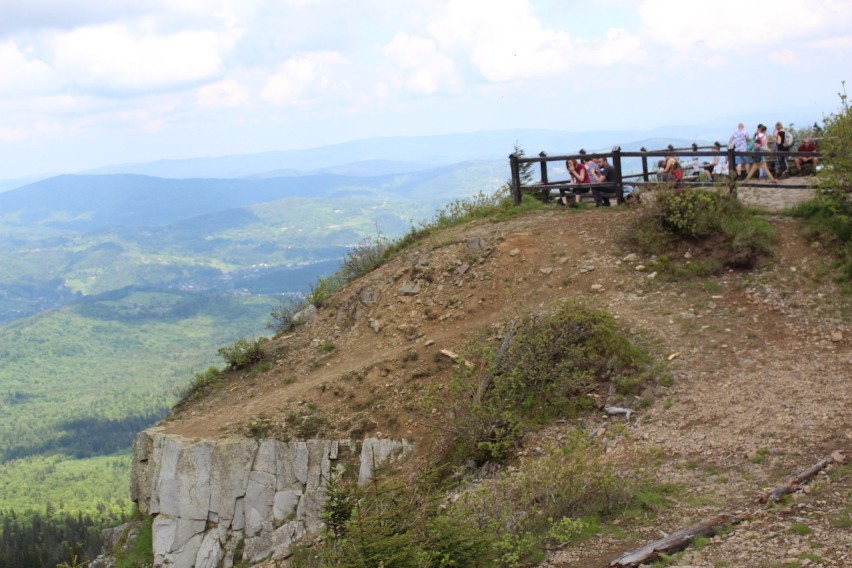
x: 761, y: 359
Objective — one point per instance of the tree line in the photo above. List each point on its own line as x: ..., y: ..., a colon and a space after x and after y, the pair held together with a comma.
x: 38, y: 540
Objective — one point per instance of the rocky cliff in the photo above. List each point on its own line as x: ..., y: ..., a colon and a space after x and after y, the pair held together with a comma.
x: 210, y: 498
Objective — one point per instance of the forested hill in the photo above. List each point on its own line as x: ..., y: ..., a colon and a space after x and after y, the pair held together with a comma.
x: 89, y: 203
x: 85, y: 203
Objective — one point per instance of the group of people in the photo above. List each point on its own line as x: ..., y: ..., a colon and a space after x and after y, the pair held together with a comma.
x: 760, y: 142
x: 584, y: 175
x: 591, y: 172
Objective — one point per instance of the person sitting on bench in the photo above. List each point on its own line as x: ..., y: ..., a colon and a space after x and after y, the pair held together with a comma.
x: 807, y: 146
x: 606, y: 174
x: 670, y: 170
x: 579, y: 174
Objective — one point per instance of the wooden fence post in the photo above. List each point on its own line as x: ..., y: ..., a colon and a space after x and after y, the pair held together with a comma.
x: 516, y: 178
x: 616, y: 164
x: 732, y: 171
x: 545, y: 191
x: 645, y: 177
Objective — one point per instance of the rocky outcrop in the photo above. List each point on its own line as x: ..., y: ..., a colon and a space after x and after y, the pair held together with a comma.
x: 210, y: 498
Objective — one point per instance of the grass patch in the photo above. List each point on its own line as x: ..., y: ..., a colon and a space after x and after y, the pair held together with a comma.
x: 801, y: 529
x: 510, y: 519
x: 828, y: 219
x: 200, y: 383
x: 140, y: 553
x: 699, y: 233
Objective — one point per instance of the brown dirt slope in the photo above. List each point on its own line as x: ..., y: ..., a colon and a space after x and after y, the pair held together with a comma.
x: 762, y: 360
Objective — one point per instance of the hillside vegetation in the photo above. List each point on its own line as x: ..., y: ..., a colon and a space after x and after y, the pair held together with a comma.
x: 117, y: 290
x: 429, y: 346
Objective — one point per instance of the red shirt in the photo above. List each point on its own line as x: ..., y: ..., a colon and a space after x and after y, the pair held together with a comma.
x: 807, y: 147
x: 582, y: 174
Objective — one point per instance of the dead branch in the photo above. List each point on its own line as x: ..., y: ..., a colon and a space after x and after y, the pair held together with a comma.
x: 615, y: 410
x: 676, y: 541
x: 794, y: 482
x: 485, y: 382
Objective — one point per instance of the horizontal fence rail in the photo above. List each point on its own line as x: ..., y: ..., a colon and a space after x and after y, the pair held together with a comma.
x: 617, y: 155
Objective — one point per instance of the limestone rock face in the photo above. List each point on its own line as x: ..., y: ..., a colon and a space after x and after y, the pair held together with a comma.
x: 207, y: 496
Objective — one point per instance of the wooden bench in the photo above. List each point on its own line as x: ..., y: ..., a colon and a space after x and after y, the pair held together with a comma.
x: 570, y: 190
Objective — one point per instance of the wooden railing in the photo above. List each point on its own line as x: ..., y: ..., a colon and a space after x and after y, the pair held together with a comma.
x: 616, y: 188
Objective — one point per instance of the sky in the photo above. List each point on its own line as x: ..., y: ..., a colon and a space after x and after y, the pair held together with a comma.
x: 90, y: 83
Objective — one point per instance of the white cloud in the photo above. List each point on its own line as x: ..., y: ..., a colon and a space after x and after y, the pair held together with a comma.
x: 223, y: 94
x: 617, y: 47
x: 505, y: 41
x: 783, y: 58
x: 304, y: 77
x: 502, y: 39
x: 736, y: 26
x: 8, y: 134
x: 422, y: 68
x: 115, y: 58
x: 22, y: 72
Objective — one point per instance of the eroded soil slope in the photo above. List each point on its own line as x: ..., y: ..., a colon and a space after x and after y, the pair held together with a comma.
x: 762, y: 361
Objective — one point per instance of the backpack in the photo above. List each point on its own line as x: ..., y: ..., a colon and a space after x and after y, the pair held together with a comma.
x: 789, y: 140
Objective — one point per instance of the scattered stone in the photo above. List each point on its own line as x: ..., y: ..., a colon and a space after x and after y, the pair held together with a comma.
x: 838, y: 456
x: 455, y: 357
x: 411, y: 289
x: 306, y: 315
x: 596, y: 287
x: 461, y: 269
x: 514, y: 252
x: 368, y: 297
x: 652, y: 276
x: 632, y: 257
x: 586, y: 268
x: 429, y: 342
x: 640, y: 267
x: 376, y: 325
x: 546, y: 270
x: 836, y: 336
x: 687, y: 254
x: 475, y: 244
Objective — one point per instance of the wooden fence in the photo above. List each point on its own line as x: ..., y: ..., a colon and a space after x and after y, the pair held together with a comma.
x: 616, y: 189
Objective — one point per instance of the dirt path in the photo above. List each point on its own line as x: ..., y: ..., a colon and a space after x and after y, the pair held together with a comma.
x: 762, y: 363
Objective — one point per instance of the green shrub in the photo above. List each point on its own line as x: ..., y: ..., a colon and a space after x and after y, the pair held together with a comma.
x: 828, y: 217
x: 199, y: 383
x: 393, y: 524
x: 140, y: 553
x: 720, y: 231
x: 243, y: 353
x: 507, y: 520
x: 557, y: 497
x: 283, y: 315
x: 835, y: 144
x: 548, y: 362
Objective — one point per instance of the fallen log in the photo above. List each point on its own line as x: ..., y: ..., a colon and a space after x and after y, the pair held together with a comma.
x: 676, y: 541
x: 797, y: 480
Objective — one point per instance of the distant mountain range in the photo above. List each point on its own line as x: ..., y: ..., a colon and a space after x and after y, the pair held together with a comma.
x: 401, y: 154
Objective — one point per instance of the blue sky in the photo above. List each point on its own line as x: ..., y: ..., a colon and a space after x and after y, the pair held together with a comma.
x: 89, y: 83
